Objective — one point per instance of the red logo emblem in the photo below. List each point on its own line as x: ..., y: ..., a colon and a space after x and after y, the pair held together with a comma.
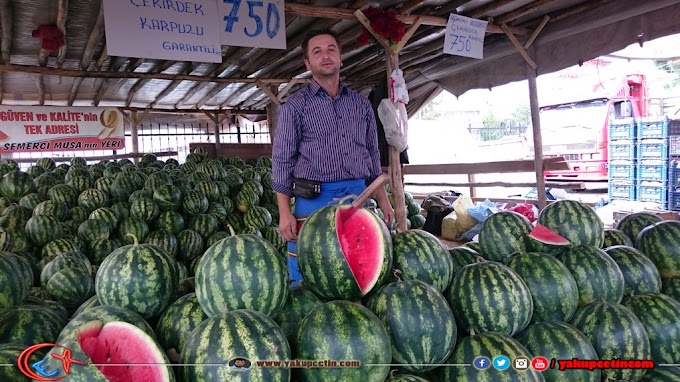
x: 539, y: 363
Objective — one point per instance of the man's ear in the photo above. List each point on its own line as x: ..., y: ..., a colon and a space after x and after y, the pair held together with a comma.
x: 307, y: 64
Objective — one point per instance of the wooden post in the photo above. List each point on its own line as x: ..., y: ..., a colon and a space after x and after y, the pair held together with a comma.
x: 135, y: 136
x: 538, y: 139
x: 396, y: 178
x: 218, y: 145
x: 272, y: 113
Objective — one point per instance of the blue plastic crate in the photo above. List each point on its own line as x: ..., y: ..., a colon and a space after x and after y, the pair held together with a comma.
x: 654, y: 192
x: 655, y: 171
x: 674, y: 175
x: 623, y: 128
x: 621, y: 170
x: 652, y: 127
x: 621, y: 190
x: 674, y: 201
x: 652, y: 149
x: 621, y: 150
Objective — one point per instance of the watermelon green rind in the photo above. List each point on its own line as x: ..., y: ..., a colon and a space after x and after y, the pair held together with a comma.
x: 257, y: 276
x: 639, y: 272
x: 105, y: 314
x: 660, y: 315
x: 419, y: 321
x: 178, y: 321
x: 632, y: 224
x: 671, y: 287
x: 419, y: 255
x: 9, y: 353
x: 553, y: 289
x: 661, y: 243
x: 615, y: 332
x: 240, y: 333
x: 503, y: 234
x: 16, y: 280
x: 343, y: 330
x: 29, y: 325
x: 405, y: 378
x: 613, y: 236
x: 490, y: 297
x: 300, y: 301
x: 662, y: 374
x: 575, y: 221
x: 597, y: 275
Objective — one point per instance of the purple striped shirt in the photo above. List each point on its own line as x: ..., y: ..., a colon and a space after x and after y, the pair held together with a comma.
x: 325, y: 139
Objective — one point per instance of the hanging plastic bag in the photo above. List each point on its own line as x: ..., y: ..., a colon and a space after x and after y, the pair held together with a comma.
x: 398, y: 84
x: 392, y: 121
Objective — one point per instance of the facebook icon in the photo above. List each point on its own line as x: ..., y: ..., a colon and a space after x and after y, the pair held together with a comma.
x: 482, y: 363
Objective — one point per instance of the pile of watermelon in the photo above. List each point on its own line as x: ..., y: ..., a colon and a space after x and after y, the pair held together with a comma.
x: 161, y: 271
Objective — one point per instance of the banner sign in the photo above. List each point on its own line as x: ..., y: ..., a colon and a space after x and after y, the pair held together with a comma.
x: 175, y: 30
x: 259, y: 24
x: 465, y: 36
x: 34, y: 129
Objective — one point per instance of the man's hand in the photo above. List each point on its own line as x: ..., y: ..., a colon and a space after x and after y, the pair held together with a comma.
x: 288, y: 226
x: 388, y: 212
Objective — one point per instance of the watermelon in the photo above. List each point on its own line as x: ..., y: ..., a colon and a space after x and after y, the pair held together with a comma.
x: 639, y: 272
x: 662, y: 374
x: 597, y: 275
x: 615, y: 332
x: 661, y: 242
x: 144, y: 208
x: 132, y: 273
x: 559, y: 340
x: 632, y: 224
x: 70, y: 286
x: 395, y: 377
x: 30, y: 324
x: 488, y: 345
x: 401, y: 304
x: 613, y: 236
x: 190, y: 245
x: 16, y: 280
x: 112, y: 343
x: 463, y: 256
x: 9, y: 354
x: 358, y: 250
x: 178, y: 321
x: 575, y: 221
x: 42, y: 229
x: 544, y: 240
x: 553, y: 288
x: 243, y: 334
x: 342, y: 330
x: 490, y: 297
x: 242, y: 272
x: 104, y: 314
x: 671, y: 287
x: 660, y: 315
x: 133, y: 229
x: 419, y: 255
x: 300, y: 301
x: 503, y: 234
x: 16, y: 184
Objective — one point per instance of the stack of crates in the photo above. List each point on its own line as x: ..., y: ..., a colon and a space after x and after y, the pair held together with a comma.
x: 652, y: 162
x: 622, y: 152
x: 674, y: 165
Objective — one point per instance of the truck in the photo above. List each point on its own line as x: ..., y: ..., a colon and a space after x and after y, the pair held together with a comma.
x: 578, y: 129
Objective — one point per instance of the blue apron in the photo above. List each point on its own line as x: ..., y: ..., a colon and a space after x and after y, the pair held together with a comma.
x: 330, y: 194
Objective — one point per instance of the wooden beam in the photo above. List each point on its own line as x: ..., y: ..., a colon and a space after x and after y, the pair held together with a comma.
x: 113, y: 85
x: 409, y: 33
x: 578, y: 9
x: 563, y: 185
x: 487, y: 8
x: 287, y: 88
x: 523, y: 11
x: 451, y: 7
x: 367, y: 24
x: 538, y: 140
x: 268, y: 92
x: 102, y: 58
x: 158, y: 68
x: 101, y: 157
x: 88, y: 52
x: 62, y: 15
x: 519, y: 47
x: 410, y: 6
x: 114, y: 65
x: 536, y: 32
x: 484, y: 167
x: 186, y: 69
x: 6, y: 18
x: 43, y: 54
x: 196, y: 111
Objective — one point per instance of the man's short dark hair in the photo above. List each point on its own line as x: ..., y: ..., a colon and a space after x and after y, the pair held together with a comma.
x: 319, y: 32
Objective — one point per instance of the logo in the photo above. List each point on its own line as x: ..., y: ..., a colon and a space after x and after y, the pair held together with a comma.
x: 39, y: 371
x: 482, y: 363
x: 539, y: 363
x: 521, y: 363
x: 239, y: 364
x: 501, y: 362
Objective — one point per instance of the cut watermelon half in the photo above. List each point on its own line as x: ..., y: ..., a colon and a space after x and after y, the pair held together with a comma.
x: 123, y: 353
x: 547, y: 236
x: 361, y: 243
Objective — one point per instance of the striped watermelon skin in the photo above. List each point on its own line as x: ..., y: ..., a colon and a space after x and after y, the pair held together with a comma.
x: 170, y: 221
x: 133, y: 229
x: 614, y: 237
x: 144, y: 208
x: 178, y: 321
x: 93, y: 198
x: 258, y: 217
x: 463, y: 256
x: 108, y: 215
x: 105, y: 314
x: 560, y: 340
x: 615, y: 333
x: 661, y: 242
x: 42, y: 229
x: 503, y: 234
x: 237, y: 334
x: 662, y: 374
x: 9, y: 353
x: 419, y: 255
x: 300, y: 301
x: 206, y: 225
x: 70, y: 286
x: 190, y: 245
x: 16, y: 280
x: 242, y: 272
x: 671, y: 287
x: 130, y: 274
x: 342, y: 330
x: 30, y: 325
x: 57, y: 247
x: 597, y: 275
x: 194, y: 203
x: 319, y: 249
x: 489, y: 345
x: 553, y: 289
x: 92, y: 230
x: 405, y: 378
x: 99, y: 249
x: 575, y: 221
x: 490, y: 297
x: 639, y: 272
x: 632, y: 224
x: 660, y: 315
x: 419, y: 321
x: 164, y: 240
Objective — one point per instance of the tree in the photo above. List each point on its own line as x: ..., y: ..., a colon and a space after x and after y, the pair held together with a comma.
x: 672, y: 67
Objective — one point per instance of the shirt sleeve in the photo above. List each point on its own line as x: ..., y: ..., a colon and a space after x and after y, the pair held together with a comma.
x: 372, y: 142
x: 284, y: 150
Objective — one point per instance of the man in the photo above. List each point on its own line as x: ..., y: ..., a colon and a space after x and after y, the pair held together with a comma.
x: 327, y: 134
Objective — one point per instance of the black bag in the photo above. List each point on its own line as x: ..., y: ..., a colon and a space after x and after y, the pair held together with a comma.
x: 308, y: 189
x: 437, y: 209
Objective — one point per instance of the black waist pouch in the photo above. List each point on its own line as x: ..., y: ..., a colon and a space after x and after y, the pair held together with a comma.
x: 308, y: 189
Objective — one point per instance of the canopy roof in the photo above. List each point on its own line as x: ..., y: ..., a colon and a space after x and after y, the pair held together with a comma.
x: 577, y: 31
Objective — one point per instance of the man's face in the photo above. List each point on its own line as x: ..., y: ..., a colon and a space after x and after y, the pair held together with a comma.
x: 323, y: 56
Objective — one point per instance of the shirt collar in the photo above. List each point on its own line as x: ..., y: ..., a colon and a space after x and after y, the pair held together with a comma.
x: 315, y: 87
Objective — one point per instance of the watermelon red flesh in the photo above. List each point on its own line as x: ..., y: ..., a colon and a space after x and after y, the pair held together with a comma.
x: 118, y: 344
x: 362, y: 249
x: 547, y: 236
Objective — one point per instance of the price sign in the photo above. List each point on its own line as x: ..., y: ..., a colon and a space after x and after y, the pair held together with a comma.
x: 249, y: 23
x: 465, y: 36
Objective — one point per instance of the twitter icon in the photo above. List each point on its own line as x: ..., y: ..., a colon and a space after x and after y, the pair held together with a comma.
x: 501, y: 362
